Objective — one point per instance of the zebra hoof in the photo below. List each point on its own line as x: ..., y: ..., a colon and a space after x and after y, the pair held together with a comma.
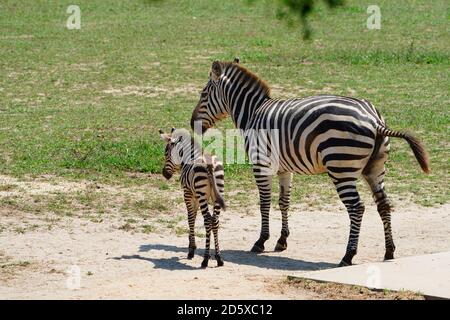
x: 219, y: 261
x: 191, y: 252
x: 347, y: 259
x: 280, y: 246
x: 344, y: 264
x: 257, y: 249
x: 389, y: 256
x: 204, y: 263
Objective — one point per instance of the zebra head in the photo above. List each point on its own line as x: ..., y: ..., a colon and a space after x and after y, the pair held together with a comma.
x: 181, y: 149
x: 212, y: 105
x: 172, y: 157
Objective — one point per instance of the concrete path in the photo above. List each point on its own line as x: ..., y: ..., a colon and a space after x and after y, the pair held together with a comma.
x: 427, y: 274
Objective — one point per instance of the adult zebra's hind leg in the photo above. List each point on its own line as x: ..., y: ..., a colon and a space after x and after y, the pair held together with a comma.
x: 374, y: 177
x: 348, y: 194
x: 264, y: 183
x: 285, y: 192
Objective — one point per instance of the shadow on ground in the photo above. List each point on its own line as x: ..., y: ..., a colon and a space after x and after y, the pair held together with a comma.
x: 173, y: 263
x: 240, y: 257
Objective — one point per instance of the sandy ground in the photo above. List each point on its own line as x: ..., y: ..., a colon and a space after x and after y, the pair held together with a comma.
x: 115, y: 264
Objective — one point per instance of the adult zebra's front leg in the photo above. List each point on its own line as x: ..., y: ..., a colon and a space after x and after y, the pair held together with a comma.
x: 264, y: 183
x: 285, y: 193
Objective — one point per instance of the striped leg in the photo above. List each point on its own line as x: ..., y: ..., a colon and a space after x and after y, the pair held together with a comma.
x: 208, y: 225
x: 384, y: 209
x: 285, y: 193
x: 216, y: 224
x: 215, y: 228
x: 207, y: 221
x: 264, y: 183
x: 348, y: 194
x: 191, y: 205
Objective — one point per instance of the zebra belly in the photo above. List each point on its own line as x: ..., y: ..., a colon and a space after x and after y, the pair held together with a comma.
x: 325, y: 151
x: 318, y: 134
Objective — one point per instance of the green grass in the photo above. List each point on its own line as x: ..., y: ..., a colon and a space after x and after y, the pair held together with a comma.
x: 88, y: 103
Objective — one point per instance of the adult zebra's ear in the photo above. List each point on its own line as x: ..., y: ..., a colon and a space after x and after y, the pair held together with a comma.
x: 236, y: 60
x: 216, y: 70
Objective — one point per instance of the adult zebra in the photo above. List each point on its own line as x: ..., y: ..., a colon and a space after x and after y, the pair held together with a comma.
x: 342, y: 136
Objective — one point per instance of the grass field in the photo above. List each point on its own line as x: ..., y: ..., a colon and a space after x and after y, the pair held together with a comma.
x: 86, y: 104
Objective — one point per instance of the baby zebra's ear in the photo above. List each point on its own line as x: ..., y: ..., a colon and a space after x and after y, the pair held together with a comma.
x: 236, y: 60
x: 164, y: 136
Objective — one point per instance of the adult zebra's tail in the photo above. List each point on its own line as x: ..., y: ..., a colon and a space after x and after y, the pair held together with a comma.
x: 417, y: 147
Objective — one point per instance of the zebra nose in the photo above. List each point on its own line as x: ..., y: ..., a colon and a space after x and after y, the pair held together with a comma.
x: 166, y: 174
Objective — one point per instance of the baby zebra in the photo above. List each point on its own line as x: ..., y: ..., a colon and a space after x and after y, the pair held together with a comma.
x: 202, y: 179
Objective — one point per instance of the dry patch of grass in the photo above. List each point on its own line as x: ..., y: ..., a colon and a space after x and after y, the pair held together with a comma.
x: 44, y: 202
x: 7, y: 187
x: 10, y: 268
x: 336, y: 291
x: 152, y: 91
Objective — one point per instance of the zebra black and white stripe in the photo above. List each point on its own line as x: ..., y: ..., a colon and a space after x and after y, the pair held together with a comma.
x: 342, y: 136
x: 202, y: 179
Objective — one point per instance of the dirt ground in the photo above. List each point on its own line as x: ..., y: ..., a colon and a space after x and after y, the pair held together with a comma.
x: 83, y: 259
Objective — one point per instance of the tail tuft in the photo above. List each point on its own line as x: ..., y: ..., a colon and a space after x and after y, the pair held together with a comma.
x: 415, y: 144
x: 221, y: 202
x: 419, y: 151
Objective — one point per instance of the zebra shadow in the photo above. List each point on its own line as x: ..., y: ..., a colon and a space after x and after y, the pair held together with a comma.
x: 173, y: 263
x: 240, y: 257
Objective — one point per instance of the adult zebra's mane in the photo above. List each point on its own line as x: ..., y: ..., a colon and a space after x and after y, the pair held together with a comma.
x: 249, y: 77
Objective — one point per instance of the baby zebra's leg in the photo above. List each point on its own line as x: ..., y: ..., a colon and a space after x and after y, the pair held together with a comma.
x: 191, y: 206
x: 215, y: 228
x: 203, y: 202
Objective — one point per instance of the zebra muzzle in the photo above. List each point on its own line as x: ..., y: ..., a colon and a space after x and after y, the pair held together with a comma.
x: 167, y: 174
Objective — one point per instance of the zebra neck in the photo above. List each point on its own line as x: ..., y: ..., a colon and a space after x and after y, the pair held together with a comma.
x: 189, y: 159
x: 188, y: 153
x: 244, y: 93
x: 243, y: 107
